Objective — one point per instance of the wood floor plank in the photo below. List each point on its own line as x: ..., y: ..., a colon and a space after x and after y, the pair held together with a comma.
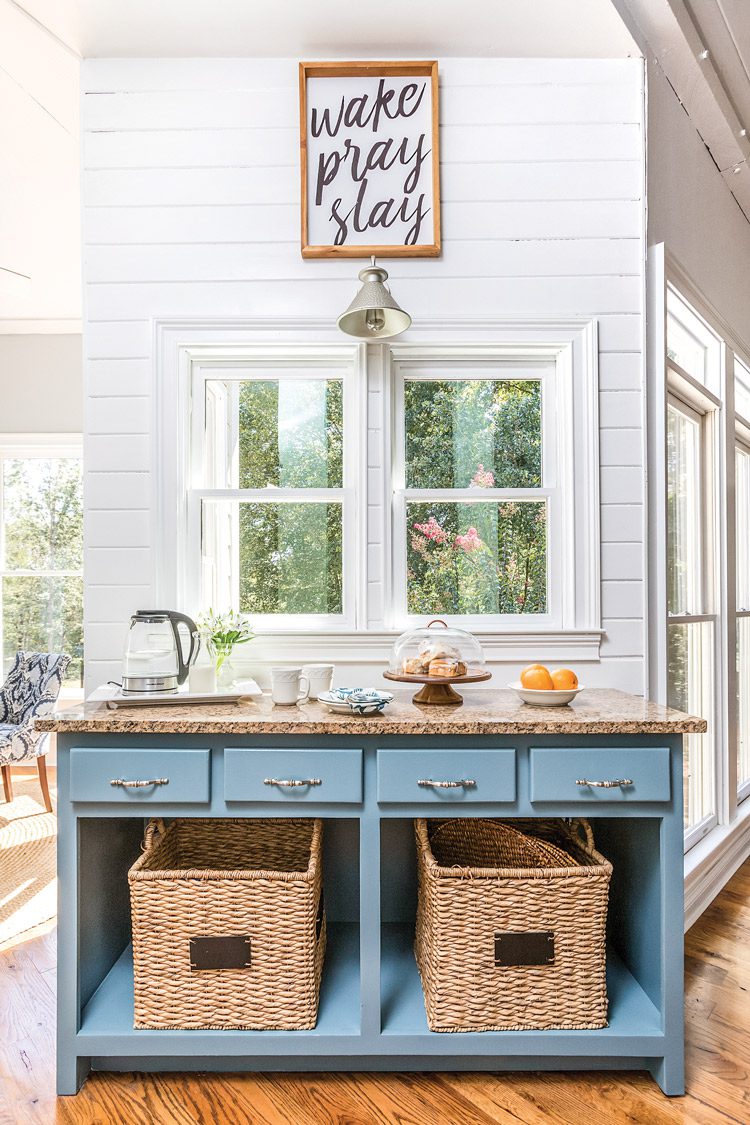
x: 380, y: 1099
x: 166, y: 1099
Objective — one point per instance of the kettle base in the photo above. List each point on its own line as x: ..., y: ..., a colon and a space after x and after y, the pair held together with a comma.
x: 141, y: 685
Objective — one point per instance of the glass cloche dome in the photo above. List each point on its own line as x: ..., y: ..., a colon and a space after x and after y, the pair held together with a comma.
x: 438, y: 651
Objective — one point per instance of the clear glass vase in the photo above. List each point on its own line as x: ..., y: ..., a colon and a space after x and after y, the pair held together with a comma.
x: 225, y: 672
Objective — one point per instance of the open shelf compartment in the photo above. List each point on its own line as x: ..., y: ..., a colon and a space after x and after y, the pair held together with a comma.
x: 635, y: 1025
x: 107, y: 1010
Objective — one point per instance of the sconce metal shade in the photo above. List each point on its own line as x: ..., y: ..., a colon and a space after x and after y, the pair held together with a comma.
x: 373, y: 314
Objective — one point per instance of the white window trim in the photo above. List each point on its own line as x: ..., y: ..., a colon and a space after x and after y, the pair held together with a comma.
x: 571, y: 342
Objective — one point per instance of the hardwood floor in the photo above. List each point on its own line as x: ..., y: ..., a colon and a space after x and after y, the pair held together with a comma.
x: 718, y: 1060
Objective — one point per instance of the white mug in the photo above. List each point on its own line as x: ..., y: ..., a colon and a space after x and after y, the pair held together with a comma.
x: 289, y: 686
x: 319, y: 677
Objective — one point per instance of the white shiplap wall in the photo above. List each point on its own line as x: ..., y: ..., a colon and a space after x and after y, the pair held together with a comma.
x: 190, y: 188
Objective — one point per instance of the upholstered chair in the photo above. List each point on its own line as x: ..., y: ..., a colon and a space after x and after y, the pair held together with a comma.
x: 31, y: 690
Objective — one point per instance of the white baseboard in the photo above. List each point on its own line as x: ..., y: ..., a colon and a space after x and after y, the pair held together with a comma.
x: 710, y: 865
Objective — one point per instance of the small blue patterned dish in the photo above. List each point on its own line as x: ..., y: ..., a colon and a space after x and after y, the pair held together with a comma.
x: 355, y: 701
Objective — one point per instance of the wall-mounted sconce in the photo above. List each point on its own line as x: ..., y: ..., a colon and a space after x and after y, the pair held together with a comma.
x: 373, y: 314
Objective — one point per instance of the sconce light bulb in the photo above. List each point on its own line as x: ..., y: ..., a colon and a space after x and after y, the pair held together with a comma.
x: 375, y: 320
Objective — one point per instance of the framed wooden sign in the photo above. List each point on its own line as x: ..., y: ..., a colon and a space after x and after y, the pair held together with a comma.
x: 369, y: 159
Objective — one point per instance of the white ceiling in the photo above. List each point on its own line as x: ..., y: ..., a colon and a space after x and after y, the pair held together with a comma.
x: 703, y: 47
x: 336, y: 28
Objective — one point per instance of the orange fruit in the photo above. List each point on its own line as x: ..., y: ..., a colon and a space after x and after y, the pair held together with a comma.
x: 536, y: 678
x: 563, y: 679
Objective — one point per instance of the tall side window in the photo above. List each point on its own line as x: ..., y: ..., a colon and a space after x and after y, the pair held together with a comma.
x: 691, y: 626
x: 477, y: 502
x: 41, y: 550
x: 742, y: 568
x: 694, y: 667
x: 273, y: 468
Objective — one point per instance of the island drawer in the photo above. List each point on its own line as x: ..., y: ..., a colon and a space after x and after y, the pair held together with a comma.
x: 304, y: 776
x: 125, y: 776
x: 446, y: 776
x: 599, y: 775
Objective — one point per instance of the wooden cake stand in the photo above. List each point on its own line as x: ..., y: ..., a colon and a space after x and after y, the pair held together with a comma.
x: 439, y: 689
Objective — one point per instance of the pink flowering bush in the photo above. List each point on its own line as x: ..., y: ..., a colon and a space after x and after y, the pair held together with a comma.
x: 468, y: 542
x: 483, y: 478
x: 432, y: 530
x: 497, y: 565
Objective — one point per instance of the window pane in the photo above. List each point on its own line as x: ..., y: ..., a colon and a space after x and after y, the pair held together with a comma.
x: 743, y: 700
x: 683, y: 348
x: 281, y: 433
x: 741, y: 388
x: 691, y: 343
x: 273, y: 558
x: 44, y: 615
x: 43, y: 513
x: 683, y: 513
x: 690, y: 680
x: 473, y: 433
x: 477, y: 558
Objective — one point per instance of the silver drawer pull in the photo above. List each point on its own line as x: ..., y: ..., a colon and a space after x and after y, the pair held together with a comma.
x: 464, y: 783
x: 292, y: 782
x: 618, y: 783
x: 138, y: 784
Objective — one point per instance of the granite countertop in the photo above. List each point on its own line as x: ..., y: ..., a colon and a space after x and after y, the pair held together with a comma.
x: 595, y: 711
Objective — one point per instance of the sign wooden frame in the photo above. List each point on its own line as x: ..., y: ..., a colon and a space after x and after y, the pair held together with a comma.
x: 370, y: 69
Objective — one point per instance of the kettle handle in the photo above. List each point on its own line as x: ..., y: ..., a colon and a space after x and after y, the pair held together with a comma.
x: 176, y: 619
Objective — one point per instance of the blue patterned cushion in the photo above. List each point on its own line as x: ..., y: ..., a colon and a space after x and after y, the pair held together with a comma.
x: 10, y: 689
x: 18, y: 744
x: 32, y: 688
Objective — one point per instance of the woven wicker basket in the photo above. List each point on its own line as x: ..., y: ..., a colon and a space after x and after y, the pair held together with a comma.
x: 484, y: 880
x: 254, y: 879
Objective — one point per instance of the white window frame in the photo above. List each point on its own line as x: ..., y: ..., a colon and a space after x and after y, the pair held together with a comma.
x: 273, y: 364
x: 571, y: 344
x: 547, y: 367
x: 42, y: 446
x: 698, y: 404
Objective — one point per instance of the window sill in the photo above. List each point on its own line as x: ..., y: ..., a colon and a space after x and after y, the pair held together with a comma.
x: 350, y: 647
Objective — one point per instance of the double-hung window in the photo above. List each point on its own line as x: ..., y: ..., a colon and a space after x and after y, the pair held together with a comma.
x: 693, y: 633
x: 274, y: 457
x: 691, y: 627
x: 477, y: 502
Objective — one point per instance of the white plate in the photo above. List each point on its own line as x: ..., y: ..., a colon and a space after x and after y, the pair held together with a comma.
x: 544, y: 698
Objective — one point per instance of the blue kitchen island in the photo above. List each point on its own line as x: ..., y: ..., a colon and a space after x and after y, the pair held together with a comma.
x: 610, y: 757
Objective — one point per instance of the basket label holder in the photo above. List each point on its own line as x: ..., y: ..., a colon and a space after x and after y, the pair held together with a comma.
x: 532, y: 947
x: 230, y: 951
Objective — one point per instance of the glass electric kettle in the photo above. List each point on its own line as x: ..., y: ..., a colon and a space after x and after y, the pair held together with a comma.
x: 153, y: 659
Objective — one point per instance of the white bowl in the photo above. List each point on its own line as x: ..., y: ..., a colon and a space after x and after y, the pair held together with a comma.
x: 544, y: 698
